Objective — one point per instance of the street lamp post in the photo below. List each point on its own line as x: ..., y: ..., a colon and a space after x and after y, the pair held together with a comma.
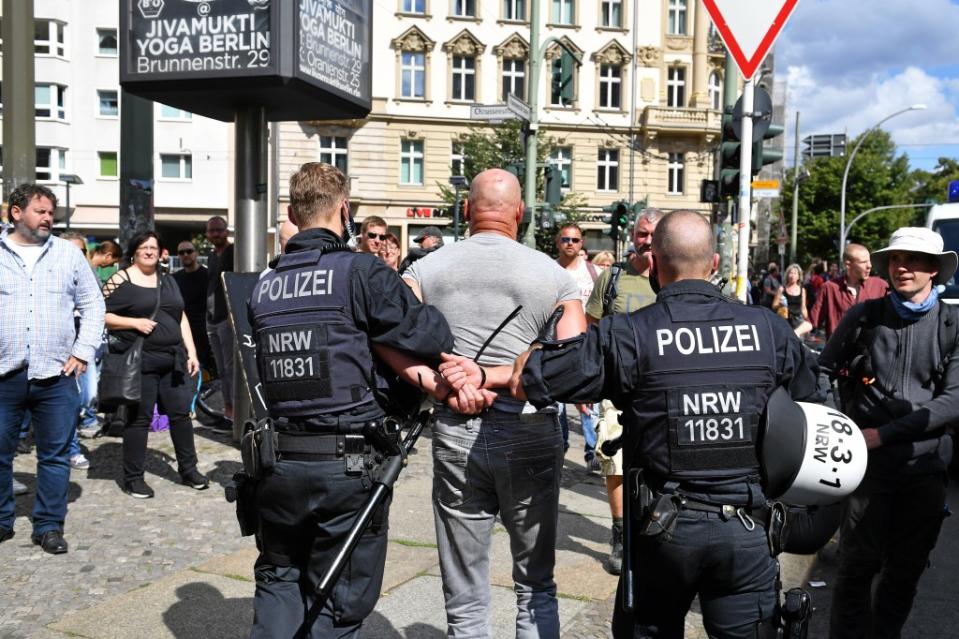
x: 68, y: 179
x: 886, y: 208
x: 845, y: 173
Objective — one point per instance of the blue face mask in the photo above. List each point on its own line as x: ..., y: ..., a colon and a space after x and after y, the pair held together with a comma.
x: 911, y: 311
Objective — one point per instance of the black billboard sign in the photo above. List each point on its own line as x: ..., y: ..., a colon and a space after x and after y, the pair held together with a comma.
x: 200, y: 38
x: 334, y: 45
x: 299, y: 59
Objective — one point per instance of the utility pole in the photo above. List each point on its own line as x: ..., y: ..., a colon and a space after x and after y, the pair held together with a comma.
x: 19, y: 130
x: 529, y: 238
x: 745, y: 190
x: 136, y: 166
x: 632, y: 108
x: 795, y: 213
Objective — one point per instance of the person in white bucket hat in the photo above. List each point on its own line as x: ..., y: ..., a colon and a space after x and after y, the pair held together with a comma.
x: 897, y: 363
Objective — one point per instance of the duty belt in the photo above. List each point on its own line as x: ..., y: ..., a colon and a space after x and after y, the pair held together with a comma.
x: 321, y: 447
x: 748, y: 515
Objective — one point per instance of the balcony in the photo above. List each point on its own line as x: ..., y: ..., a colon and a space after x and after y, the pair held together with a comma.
x: 680, y: 120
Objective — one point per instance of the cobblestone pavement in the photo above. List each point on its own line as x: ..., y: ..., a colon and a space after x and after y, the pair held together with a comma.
x: 119, y: 544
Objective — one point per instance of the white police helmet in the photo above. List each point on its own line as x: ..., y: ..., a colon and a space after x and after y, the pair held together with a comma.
x: 811, y: 455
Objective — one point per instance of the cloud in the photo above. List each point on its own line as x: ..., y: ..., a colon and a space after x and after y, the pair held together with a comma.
x: 850, y: 63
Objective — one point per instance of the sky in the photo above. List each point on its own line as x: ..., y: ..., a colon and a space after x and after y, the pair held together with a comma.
x: 850, y: 63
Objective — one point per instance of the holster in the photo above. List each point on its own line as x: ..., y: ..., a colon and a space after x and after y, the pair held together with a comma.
x: 796, y: 612
x: 242, y: 491
x: 776, y: 528
x: 258, y: 448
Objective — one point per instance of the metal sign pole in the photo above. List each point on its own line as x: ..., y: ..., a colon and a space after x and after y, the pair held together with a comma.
x: 745, y: 190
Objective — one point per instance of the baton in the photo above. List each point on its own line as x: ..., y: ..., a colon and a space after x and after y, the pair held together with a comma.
x: 383, y: 485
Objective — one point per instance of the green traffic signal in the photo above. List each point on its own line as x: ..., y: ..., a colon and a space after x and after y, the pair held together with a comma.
x: 730, y: 152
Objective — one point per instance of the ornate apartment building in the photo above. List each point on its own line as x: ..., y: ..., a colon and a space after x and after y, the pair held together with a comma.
x: 432, y: 59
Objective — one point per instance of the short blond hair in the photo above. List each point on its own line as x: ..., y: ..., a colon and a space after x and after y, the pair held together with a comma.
x: 317, y: 189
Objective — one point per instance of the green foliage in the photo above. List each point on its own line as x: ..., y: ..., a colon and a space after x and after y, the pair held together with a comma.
x: 877, y: 177
x: 933, y: 186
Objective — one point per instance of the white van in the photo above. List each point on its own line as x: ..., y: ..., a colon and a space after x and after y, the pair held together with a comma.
x: 944, y: 219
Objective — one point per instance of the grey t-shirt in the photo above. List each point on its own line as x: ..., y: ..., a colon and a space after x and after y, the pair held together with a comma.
x: 478, y: 282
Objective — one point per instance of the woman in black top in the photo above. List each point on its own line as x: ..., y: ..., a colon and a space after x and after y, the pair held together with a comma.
x: 795, y: 300
x: 169, y: 360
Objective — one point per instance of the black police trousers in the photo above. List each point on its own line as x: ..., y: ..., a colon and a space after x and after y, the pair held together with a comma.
x: 306, y: 509
x: 728, y: 566
x: 890, y: 526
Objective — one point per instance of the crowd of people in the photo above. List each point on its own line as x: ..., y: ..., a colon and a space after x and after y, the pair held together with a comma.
x: 500, y: 375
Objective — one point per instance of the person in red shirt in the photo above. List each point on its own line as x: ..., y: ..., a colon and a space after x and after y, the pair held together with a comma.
x: 838, y: 295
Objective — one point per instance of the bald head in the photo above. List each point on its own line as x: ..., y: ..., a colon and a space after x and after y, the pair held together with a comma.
x: 495, y: 202
x: 683, y: 247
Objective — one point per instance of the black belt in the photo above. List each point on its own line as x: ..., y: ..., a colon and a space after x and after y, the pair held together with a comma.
x: 726, y: 511
x: 320, y: 447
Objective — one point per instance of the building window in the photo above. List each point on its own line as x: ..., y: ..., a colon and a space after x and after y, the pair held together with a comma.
x: 464, y: 8
x: 109, y: 105
x: 514, y: 78
x: 610, y: 86
x: 51, y: 162
x: 50, y: 101
x: 108, y: 164
x: 675, y: 171
x: 411, y: 162
x: 562, y: 12
x: 413, y: 72
x: 612, y: 13
x: 676, y: 17
x: 173, y: 113
x: 107, y: 39
x: 458, y: 159
x: 562, y: 159
x: 514, y: 10
x: 676, y: 87
x: 333, y: 151
x: 414, y: 6
x: 562, y: 84
x: 176, y: 166
x: 48, y: 38
x: 715, y: 91
x: 607, y: 170
x: 464, y: 78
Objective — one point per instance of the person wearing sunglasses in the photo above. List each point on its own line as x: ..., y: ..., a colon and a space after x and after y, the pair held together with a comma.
x: 570, y: 244
x: 372, y: 235
x: 193, y: 280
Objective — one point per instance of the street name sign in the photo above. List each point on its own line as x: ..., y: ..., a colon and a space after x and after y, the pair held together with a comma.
x: 765, y: 188
x: 749, y: 28
x: 519, y: 108
x: 298, y: 59
x: 492, y: 112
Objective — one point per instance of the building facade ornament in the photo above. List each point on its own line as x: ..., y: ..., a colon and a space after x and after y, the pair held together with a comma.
x: 412, y: 40
x: 649, y: 56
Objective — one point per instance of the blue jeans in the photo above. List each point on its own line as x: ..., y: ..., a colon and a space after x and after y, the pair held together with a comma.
x: 88, y: 396
x: 589, y: 421
x: 506, y: 464
x: 53, y: 404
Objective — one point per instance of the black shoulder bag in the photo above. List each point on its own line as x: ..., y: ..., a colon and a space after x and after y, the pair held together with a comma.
x: 120, y: 372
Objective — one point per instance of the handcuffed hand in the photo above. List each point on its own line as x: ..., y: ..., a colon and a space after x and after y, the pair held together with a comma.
x: 515, y: 381
x: 470, y: 400
x: 459, y: 371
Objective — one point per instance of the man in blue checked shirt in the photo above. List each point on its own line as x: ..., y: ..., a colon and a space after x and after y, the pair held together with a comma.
x: 43, y: 280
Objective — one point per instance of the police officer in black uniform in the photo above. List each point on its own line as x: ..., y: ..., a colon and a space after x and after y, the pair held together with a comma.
x: 692, y: 374
x: 316, y: 318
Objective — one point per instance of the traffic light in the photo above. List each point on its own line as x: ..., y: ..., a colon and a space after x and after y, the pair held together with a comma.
x: 730, y: 148
x: 619, y: 220
x: 762, y: 155
x: 554, y: 185
x: 519, y: 170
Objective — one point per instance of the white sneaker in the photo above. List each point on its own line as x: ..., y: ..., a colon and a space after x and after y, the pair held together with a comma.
x: 79, y: 462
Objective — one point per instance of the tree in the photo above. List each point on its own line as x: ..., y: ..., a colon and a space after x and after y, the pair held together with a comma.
x: 933, y: 186
x: 877, y: 177
x: 499, y: 145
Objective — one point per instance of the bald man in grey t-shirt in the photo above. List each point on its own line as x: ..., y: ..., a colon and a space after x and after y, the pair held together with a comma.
x: 507, y: 460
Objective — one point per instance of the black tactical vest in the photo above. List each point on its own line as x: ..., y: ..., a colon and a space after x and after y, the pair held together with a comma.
x: 311, y: 356
x: 706, y: 370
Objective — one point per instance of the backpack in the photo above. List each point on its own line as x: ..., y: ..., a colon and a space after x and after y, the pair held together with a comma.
x: 859, y: 369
